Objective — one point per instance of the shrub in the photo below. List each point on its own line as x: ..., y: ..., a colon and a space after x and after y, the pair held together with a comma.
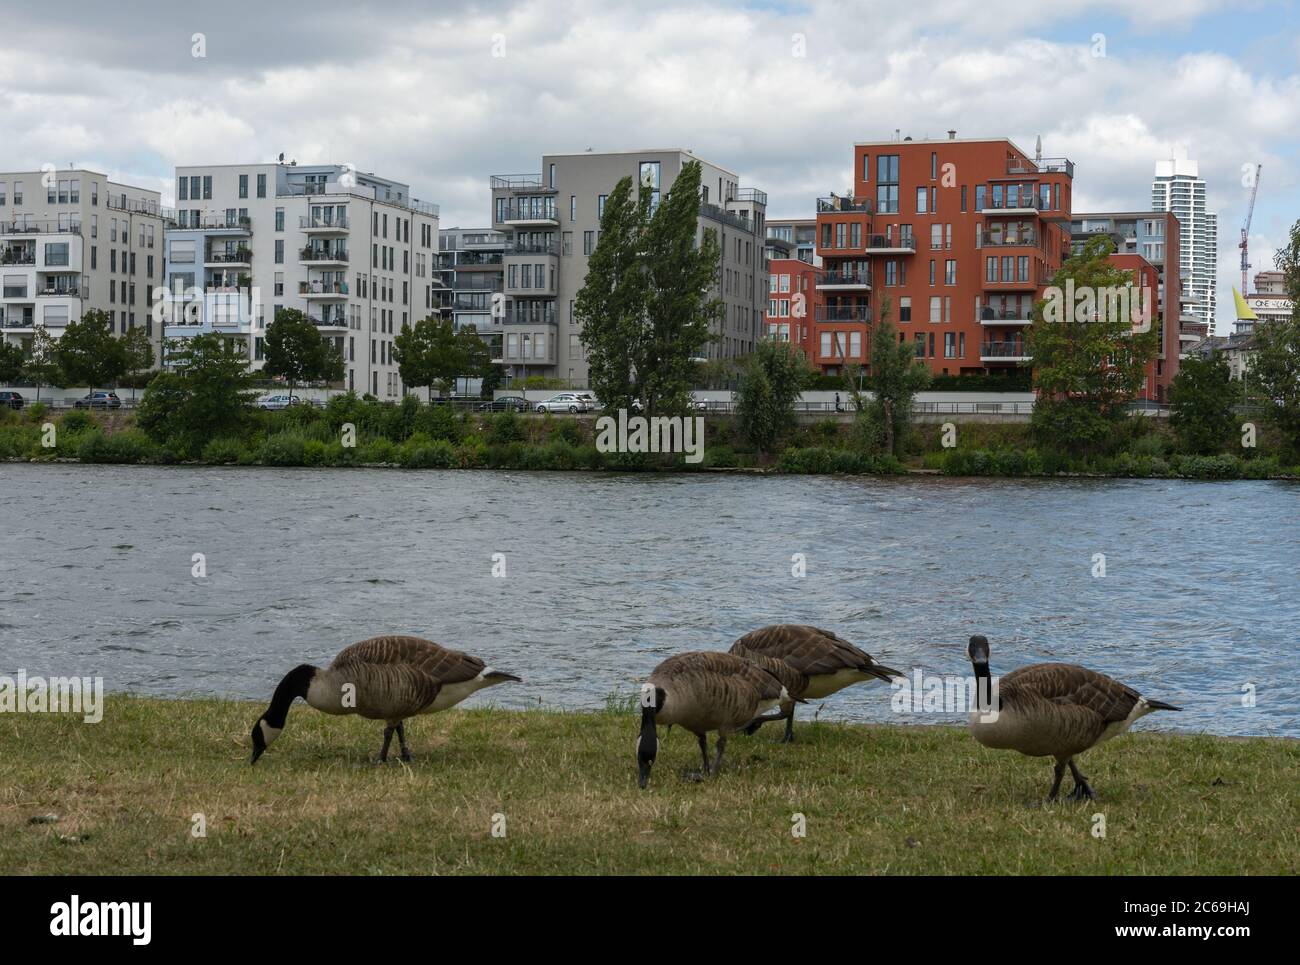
x: 18, y: 441
x: 129, y: 446
x: 439, y: 422
x: 505, y: 427
x: 224, y: 451
x: 378, y: 450
x: 420, y: 453
x: 36, y: 412
x: 1209, y: 467
x: 315, y: 453
x: 76, y: 422
x: 283, y: 449
x: 568, y: 430
x: 472, y: 453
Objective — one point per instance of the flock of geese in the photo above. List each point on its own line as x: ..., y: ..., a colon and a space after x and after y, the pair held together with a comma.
x: 1055, y: 710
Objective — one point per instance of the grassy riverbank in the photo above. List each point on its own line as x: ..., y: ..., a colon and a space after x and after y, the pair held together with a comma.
x: 876, y: 799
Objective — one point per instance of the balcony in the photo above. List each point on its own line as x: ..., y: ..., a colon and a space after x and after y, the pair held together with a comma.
x: 517, y: 182
x: 846, y: 205
x: 1005, y: 316
x: 222, y: 223
x: 63, y: 291
x: 531, y: 248
x: 1032, y: 282
x: 323, y: 291
x: 1014, y: 351
x: 323, y: 255
x: 1047, y: 165
x: 17, y: 321
x: 1015, y: 203
x: 715, y: 213
x: 39, y: 228
x: 844, y: 280
x: 528, y: 211
x: 329, y: 320
x: 887, y: 245
x: 1020, y: 239
x: 17, y: 257
x: 317, y: 225
x: 237, y: 258
x: 747, y: 195
x: 853, y: 313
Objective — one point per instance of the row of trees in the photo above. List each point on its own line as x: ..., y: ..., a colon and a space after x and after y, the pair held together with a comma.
x: 88, y: 353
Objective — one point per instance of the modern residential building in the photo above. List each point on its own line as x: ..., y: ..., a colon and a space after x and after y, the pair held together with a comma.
x: 1178, y: 187
x: 793, y: 238
x: 72, y: 241
x: 1269, y: 302
x: 552, y: 221
x: 958, y: 237
x: 470, y: 261
x: 354, y: 252
x: 793, y: 302
x: 1142, y: 240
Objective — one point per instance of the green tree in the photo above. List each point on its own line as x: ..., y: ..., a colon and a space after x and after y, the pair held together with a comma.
x: 896, y: 376
x: 11, y: 363
x: 1088, y: 361
x: 139, y: 354
x: 90, y: 354
x: 432, y: 353
x: 475, y: 358
x: 295, y: 351
x: 610, y: 307
x: 208, y: 395
x: 1274, y: 368
x: 647, y: 303
x: 1201, y: 404
x: 771, y: 379
x: 42, y: 364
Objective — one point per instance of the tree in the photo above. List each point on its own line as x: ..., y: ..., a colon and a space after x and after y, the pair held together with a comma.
x: 770, y: 382
x: 611, y: 304
x: 90, y: 354
x: 139, y: 356
x: 42, y: 365
x: 1201, y: 399
x: 1274, y: 367
x: 646, y: 306
x: 295, y: 351
x: 432, y: 353
x: 1088, y: 361
x: 206, y: 396
x: 896, y: 376
x: 474, y: 356
x: 11, y: 363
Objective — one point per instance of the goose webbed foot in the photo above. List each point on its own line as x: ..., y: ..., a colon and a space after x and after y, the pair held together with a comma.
x: 1082, y: 789
x: 388, y: 739
x: 401, y: 740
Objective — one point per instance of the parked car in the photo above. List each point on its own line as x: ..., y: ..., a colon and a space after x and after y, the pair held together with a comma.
x: 590, y: 399
x: 515, y: 403
x: 277, y: 401
x: 13, y: 400
x: 564, y: 402
x: 98, y: 400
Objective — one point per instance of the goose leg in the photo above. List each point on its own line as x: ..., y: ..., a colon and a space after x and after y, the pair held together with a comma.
x: 1082, y: 790
x: 717, y: 760
x: 388, y: 739
x: 401, y: 741
x: 758, y: 722
x: 1056, y: 784
x: 789, y: 727
x: 704, y: 752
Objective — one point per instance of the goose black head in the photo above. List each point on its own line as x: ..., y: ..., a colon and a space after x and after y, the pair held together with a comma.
x: 268, y: 727
x: 647, y: 742
x: 978, y: 651
x: 263, y: 736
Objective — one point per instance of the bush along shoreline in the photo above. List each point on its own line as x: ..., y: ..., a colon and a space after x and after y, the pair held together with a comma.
x: 412, y: 435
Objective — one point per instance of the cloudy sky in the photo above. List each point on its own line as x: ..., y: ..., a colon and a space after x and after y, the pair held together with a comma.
x: 441, y: 95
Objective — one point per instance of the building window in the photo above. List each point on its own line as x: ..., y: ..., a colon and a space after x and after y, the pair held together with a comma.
x: 921, y: 195
x: 573, y: 208
x: 887, y: 184
x: 588, y: 242
x: 261, y: 185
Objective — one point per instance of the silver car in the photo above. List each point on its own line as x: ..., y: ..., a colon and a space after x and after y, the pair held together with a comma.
x: 277, y: 401
x: 564, y: 402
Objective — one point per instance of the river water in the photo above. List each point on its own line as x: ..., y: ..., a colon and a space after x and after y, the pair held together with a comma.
x: 605, y: 575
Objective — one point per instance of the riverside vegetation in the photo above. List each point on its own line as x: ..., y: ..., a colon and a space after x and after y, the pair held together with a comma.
x: 876, y: 799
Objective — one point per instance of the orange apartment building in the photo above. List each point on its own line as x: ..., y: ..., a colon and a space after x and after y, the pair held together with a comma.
x: 957, y: 237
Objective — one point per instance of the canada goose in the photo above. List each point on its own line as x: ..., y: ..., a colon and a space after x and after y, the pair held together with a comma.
x: 826, y: 662
x: 384, y: 678
x: 1052, y: 710
x: 703, y: 691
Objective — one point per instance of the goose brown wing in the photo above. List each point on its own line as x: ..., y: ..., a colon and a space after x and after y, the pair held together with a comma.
x: 442, y: 664
x: 388, y: 691
x: 1070, y: 685
x: 712, y: 689
x: 795, y: 682
x: 810, y: 650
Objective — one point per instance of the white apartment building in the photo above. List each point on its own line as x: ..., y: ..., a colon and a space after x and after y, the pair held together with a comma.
x: 73, y: 241
x: 552, y: 222
x: 354, y: 252
x: 1178, y: 187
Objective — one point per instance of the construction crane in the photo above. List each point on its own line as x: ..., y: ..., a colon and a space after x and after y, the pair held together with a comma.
x: 1245, y: 230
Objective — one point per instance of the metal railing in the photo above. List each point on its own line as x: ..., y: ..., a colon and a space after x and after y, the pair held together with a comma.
x: 221, y: 222
x: 39, y: 228
x: 338, y: 222
x: 860, y: 278
x: 323, y: 254
x: 1020, y: 200
x: 726, y: 217
x: 1004, y: 350
x: 60, y: 291
x: 515, y: 182
x: 906, y: 242
x: 515, y: 211
x: 240, y: 256
x: 1003, y: 240
x: 329, y: 321
x: 17, y: 258
x: 1047, y: 165
x: 532, y: 248
x: 845, y: 205
x: 827, y: 313
x: 747, y: 194
x: 989, y: 314
x: 322, y: 288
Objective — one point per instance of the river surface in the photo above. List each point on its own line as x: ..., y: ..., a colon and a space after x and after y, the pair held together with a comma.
x: 608, y: 574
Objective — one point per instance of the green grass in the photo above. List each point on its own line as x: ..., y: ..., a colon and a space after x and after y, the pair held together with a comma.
x: 877, y: 799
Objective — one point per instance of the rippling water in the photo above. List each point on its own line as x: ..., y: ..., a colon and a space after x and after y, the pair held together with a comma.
x: 608, y: 574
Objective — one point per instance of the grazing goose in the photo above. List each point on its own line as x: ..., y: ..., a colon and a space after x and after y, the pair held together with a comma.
x: 383, y: 678
x: 1052, y: 710
x: 826, y: 662
x: 703, y: 691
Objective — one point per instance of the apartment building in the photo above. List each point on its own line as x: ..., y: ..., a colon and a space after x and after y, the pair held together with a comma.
x: 792, y: 303
x: 1268, y: 302
x: 73, y: 241
x: 958, y: 237
x: 356, y: 253
x: 1178, y: 187
x: 793, y: 238
x: 1147, y: 241
x: 552, y: 223
x: 471, y: 264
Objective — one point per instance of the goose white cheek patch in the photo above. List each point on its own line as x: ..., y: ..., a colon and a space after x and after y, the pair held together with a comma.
x: 269, y: 733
